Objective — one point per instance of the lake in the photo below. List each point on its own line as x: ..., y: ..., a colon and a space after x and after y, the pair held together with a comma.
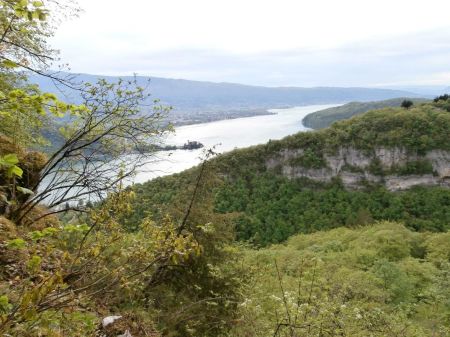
x: 226, y: 135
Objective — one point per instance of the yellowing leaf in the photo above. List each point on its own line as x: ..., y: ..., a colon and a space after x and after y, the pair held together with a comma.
x: 10, y: 159
x: 9, y: 64
x: 15, y: 171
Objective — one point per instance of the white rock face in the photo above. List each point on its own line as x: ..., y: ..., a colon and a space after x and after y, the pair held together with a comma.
x: 284, y: 156
x: 339, y: 164
x: 351, y: 156
x: 396, y: 183
x: 395, y: 156
x: 323, y: 175
x: 441, y: 162
x: 109, y: 320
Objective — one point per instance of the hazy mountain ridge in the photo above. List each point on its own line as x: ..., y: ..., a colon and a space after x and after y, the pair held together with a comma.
x: 196, y: 101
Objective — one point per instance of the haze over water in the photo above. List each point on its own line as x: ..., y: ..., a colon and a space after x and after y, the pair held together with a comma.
x: 225, y: 135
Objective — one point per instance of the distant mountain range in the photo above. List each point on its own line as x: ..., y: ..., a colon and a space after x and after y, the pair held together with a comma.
x: 427, y: 90
x: 196, y: 101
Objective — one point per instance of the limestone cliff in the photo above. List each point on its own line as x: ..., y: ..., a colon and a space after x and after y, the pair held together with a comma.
x: 354, y: 167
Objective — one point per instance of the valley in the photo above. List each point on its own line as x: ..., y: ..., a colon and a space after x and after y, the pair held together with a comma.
x: 286, y: 173
x: 196, y: 102
x: 223, y: 136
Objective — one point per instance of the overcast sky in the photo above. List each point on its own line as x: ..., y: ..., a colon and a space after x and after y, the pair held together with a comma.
x: 264, y: 42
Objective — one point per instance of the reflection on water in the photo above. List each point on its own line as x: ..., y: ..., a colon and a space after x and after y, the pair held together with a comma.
x: 225, y: 135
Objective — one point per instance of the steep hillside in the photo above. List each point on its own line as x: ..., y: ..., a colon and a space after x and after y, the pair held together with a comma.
x: 391, y: 164
x: 324, y: 118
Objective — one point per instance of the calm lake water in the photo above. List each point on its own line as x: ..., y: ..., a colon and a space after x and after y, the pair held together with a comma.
x: 225, y: 135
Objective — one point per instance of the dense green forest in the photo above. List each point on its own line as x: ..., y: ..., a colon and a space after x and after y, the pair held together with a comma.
x: 268, y: 207
x: 324, y: 118
x: 233, y: 247
x: 376, y: 280
x: 344, y: 275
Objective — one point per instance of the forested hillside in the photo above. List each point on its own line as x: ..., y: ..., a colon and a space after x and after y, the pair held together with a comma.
x: 377, y: 280
x: 372, y: 261
x: 324, y: 118
x: 338, y: 232
x: 312, y: 181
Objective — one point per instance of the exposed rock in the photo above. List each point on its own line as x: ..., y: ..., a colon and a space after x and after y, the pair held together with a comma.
x: 354, y: 180
x: 323, y: 175
x: 394, y: 156
x: 111, y: 328
x: 352, y: 167
x: 126, y: 325
x: 283, y: 156
x: 349, y: 156
x: 398, y: 183
x: 441, y: 162
x: 109, y: 320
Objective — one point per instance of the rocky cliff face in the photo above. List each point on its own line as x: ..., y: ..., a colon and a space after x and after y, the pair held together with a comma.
x: 354, y: 167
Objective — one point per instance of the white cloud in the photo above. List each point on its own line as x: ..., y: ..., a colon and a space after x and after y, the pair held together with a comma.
x: 267, y: 42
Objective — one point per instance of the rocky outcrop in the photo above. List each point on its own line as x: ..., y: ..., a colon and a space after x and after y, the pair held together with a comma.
x: 441, y: 162
x: 354, y: 167
x: 126, y: 325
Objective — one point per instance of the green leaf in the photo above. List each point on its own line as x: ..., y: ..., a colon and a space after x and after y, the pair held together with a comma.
x: 11, y: 159
x: 38, y: 4
x: 9, y: 64
x: 5, y: 114
x: 49, y: 96
x: 20, y: 12
x: 76, y: 228
x: 16, y: 244
x: 36, y: 235
x: 5, y: 306
x: 49, y: 231
x: 34, y: 263
x: 24, y: 190
x: 15, y: 171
